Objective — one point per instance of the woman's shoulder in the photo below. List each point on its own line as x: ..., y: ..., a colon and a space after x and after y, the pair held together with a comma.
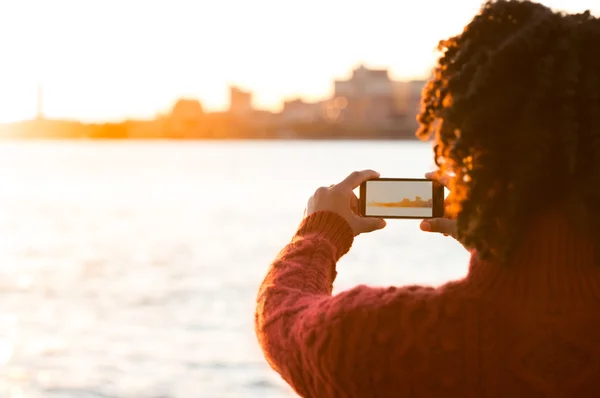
x: 411, y: 300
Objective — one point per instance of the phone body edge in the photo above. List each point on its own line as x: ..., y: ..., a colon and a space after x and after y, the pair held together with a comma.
x: 437, y: 195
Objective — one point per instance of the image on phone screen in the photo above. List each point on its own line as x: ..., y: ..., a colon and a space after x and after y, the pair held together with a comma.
x: 399, y: 198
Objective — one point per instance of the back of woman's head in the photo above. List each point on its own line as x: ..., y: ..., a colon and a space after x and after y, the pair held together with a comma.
x: 515, y: 108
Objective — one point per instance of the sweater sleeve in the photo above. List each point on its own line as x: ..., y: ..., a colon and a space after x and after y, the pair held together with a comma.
x: 318, y: 342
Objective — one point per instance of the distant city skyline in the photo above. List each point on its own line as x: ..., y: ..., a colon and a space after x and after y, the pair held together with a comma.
x: 116, y: 59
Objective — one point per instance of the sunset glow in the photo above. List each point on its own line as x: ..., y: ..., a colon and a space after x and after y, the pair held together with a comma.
x: 116, y: 59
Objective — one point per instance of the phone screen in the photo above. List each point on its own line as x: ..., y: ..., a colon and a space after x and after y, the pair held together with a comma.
x: 400, y: 198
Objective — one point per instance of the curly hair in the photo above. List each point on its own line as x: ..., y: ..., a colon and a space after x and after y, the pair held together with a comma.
x: 514, y: 106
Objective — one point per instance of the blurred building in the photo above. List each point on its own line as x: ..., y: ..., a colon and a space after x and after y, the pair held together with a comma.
x: 372, y: 100
x: 407, y: 96
x: 186, y: 119
x: 299, y: 111
x: 240, y: 102
x: 407, y: 103
x: 367, y: 98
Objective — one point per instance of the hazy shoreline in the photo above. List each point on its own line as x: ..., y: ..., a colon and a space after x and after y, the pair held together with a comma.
x: 325, y: 138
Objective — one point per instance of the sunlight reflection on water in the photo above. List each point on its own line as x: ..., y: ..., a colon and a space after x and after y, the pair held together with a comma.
x: 130, y: 269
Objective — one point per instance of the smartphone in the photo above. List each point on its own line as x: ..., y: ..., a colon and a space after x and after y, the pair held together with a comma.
x: 401, y: 198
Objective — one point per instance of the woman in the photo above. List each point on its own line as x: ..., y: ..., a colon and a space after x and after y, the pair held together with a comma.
x: 515, y: 108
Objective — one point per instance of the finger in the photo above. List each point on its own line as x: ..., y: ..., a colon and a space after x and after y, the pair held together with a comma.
x: 443, y: 179
x: 440, y: 225
x: 358, y: 177
x: 369, y: 224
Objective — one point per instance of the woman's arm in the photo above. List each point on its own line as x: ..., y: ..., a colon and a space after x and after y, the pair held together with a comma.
x: 317, y: 342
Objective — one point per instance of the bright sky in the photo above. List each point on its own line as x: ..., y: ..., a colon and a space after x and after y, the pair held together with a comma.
x: 112, y: 59
x: 394, y: 191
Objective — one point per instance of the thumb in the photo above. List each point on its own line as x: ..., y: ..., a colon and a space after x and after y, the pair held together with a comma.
x: 368, y: 224
x: 441, y: 225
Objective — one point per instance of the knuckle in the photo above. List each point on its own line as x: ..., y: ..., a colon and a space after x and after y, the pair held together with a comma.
x: 320, y: 191
x: 336, y: 189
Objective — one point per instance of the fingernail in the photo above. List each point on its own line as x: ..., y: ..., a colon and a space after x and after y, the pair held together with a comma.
x: 425, y: 226
x: 382, y: 223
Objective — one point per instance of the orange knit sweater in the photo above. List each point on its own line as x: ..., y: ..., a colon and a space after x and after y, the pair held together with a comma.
x: 530, y: 328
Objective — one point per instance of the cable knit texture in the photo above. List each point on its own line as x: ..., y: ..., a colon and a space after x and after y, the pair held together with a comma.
x: 530, y: 328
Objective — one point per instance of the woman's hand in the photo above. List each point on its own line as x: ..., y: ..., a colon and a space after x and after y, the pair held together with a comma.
x: 340, y: 199
x: 444, y: 226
